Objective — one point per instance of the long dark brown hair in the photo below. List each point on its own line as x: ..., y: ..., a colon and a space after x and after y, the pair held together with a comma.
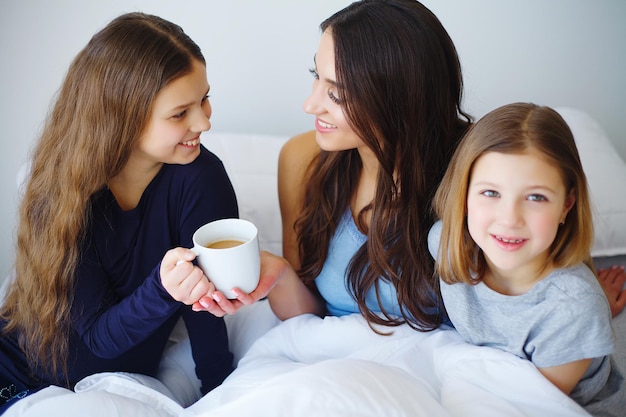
x: 100, y: 112
x: 401, y: 89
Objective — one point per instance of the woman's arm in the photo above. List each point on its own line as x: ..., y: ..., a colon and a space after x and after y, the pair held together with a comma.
x: 291, y: 297
x: 293, y: 162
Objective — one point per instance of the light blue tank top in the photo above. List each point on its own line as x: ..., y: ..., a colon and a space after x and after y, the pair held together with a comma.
x: 332, y: 283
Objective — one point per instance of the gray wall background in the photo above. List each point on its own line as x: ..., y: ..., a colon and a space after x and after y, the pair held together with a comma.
x: 557, y: 53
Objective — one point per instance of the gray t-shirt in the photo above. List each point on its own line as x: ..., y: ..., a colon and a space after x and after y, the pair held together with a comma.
x: 565, y: 317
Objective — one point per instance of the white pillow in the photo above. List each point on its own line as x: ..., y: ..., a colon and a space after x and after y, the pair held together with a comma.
x: 251, y: 161
x: 606, y: 176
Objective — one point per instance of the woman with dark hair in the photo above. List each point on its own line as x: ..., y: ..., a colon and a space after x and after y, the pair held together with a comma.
x: 355, y: 194
x: 386, y: 98
x: 118, y: 179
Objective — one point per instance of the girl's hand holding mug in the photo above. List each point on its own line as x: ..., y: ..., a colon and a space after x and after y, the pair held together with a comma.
x: 184, y: 281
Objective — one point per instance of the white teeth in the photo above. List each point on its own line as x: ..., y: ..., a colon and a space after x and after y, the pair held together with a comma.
x: 326, y: 125
x: 193, y: 142
x: 501, y: 239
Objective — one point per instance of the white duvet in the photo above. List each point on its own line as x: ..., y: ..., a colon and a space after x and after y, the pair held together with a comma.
x: 336, y: 366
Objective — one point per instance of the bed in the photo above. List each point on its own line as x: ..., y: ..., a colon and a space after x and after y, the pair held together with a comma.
x: 337, y: 366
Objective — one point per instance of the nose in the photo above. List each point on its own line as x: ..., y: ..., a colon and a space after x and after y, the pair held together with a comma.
x: 510, y: 214
x: 201, y: 119
x: 314, y: 102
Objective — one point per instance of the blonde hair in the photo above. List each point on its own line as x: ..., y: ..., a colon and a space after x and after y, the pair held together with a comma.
x: 512, y: 129
x: 101, y: 110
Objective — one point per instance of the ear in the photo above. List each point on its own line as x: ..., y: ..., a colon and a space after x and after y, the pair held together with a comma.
x: 570, y: 200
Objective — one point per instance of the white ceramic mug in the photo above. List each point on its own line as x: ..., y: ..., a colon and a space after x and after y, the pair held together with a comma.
x: 231, y: 266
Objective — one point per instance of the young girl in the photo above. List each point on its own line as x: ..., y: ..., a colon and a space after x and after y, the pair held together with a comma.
x: 118, y: 179
x: 514, y: 253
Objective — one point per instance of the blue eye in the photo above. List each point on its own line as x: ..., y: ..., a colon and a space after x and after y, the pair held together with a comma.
x: 490, y: 193
x: 537, y: 197
x: 314, y: 73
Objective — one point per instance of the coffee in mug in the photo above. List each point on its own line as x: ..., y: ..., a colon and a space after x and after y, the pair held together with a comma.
x: 224, y: 244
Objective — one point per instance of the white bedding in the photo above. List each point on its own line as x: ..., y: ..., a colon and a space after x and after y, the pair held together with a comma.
x: 337, y: 366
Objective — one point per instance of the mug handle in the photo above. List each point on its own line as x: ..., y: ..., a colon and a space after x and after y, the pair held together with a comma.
x: 194, y: 250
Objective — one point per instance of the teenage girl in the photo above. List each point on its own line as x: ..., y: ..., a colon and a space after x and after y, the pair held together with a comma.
x: 118, y: 179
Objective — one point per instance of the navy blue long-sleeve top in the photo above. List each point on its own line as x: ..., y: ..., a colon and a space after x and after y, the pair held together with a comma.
x: 121, y: 314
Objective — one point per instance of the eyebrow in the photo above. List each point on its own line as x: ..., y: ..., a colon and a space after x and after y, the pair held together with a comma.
x: 183, y: 106
x: 494, y: 185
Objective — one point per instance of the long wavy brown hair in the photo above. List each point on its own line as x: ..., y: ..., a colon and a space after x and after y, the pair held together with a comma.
x: 100, y: 112
x: 514, y: 128
x: 401, y: 89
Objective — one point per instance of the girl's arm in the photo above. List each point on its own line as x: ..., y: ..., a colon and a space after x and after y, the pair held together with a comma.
x: 118, y: 304
x: 566, y: 376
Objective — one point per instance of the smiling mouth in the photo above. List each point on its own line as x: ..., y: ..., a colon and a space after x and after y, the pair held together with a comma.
x: 325, y: 125
x: 192, y: 142
x: 505, y: 240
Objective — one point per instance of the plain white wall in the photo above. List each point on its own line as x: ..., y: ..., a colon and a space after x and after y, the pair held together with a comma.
x: 556, y: 52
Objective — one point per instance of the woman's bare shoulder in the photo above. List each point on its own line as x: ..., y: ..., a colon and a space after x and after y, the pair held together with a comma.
x: 297, y: 154
x: 301, y: 147
x: 293, y: 165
